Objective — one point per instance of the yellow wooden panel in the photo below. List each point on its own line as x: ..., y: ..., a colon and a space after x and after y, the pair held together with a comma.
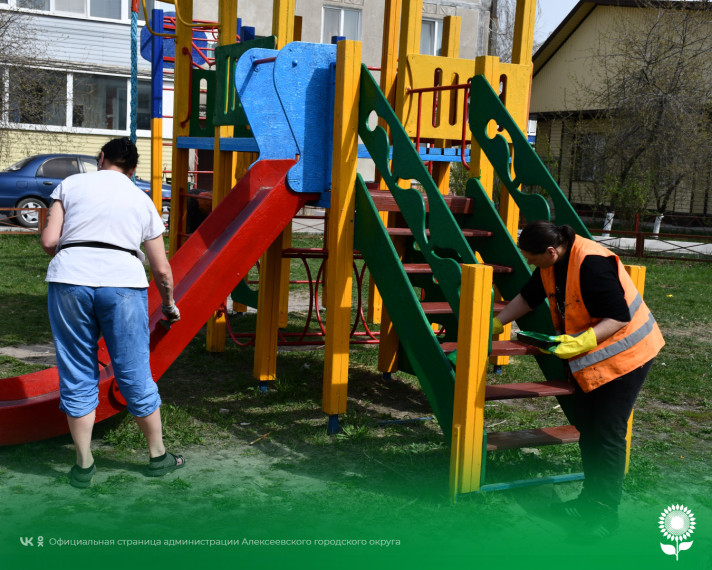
x: 471, y: 376
x: 340, y: 234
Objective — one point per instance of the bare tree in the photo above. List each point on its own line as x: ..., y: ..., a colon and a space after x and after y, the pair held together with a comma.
x: 30, y: 93
x: 651, y: 127
x: 501, y: 37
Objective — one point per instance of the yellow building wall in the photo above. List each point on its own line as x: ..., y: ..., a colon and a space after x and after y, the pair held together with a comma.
x: 21, y: 144
x: 553, y: 88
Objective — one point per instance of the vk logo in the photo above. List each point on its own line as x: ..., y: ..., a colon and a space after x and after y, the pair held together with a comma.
x: 26, y: 541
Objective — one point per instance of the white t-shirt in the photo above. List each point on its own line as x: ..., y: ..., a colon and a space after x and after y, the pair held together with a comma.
x: 103, y: 206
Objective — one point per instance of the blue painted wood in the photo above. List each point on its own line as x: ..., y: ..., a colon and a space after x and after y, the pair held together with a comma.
x: 531, y: 482
x: 254, y: 82
x: 156, y: 58
x: 332, y: 427
x: 304, y: 79
x: 426, y: 154
x: 227, y: 144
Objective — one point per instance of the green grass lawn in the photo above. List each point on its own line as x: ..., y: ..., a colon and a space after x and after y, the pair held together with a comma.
x: 384, y: 479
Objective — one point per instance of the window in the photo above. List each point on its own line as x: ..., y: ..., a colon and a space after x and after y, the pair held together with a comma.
x: 589, y: 157
x: 340, y: 22
x: 42, y: 97
x: 108, y: 9
x: 143, y: 107
x: 90, y: 165
x: 105, y: 9
x: 150, y: 5
x: 70, y: 6
x: 59, y: 167
x: 37, y: 97
x: 431, y: 37
x: 34, y: 4
x: 100, y: 102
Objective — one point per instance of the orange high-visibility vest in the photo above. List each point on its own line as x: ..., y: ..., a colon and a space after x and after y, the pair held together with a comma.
x: 628, y: 348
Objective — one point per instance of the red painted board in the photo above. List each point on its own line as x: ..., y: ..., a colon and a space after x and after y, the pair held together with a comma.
x: 210, y: 264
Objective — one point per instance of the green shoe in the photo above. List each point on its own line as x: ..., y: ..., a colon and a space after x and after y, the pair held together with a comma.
x: 81, y: 478
x: 168, y: 462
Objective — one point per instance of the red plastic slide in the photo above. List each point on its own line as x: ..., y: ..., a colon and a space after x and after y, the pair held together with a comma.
x: 205, y: 270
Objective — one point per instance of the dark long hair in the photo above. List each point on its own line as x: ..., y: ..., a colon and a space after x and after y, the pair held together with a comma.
x: 539, y: 235
x: 121, y: 152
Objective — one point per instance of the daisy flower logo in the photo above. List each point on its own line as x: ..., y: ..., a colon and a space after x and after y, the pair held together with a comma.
x: 676, y: 523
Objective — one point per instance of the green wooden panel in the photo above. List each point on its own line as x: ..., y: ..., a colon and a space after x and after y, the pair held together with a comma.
x: 422, y: 348
x: 202, y: 78
x: 529, y: 170
x: 446, y: 248
x: 228, y: 110
x: 501, y: 249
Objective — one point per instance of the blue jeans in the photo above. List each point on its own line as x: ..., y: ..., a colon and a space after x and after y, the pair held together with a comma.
x: 78, y: 316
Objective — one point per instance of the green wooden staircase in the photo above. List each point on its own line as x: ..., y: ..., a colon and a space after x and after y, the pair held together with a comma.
x: 436, y: 236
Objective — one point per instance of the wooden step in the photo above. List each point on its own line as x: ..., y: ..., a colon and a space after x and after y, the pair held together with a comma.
x: 405, y: 232
x: 443, y: 308
x: 385, y: 202
x: 528, y: 390
x: 425, y: 269
x: 499, y: 347
x: 513, y: 348
x: 531, y: 437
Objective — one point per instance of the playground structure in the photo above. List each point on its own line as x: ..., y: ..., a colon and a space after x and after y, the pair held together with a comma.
x: 285, y: 128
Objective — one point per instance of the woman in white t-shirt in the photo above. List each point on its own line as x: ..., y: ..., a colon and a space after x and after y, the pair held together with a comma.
x: 97, y: 286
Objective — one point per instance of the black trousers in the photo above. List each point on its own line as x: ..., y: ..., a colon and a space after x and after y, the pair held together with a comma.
x: 601, y: 417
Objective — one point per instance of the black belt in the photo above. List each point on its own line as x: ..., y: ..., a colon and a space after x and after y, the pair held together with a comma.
x: 99, y: 244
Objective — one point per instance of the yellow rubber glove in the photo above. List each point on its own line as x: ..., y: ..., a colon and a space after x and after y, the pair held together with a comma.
x: 497, y: 327
x: 570, y: 346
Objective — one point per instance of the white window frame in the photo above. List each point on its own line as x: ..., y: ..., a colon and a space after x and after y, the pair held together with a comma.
x: 68, y: 127
x: 434, y: 48
x: 341, y: 21
x: 124, y: 19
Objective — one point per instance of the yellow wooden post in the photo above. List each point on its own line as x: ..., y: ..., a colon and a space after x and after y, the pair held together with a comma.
x: 181, y: 123
x: 451, y: 48
x: 274, y: 270
x: 265, y: 364
x: 340, y: 234
x: 389, y: 70
x: 480, y: 167
x: 283, y: 28
x: 470, y: 379
x: 157, y: 163
x: 223, y: 171
x: 489, y: 67
x: 410, y: 27
x: 523, y: 40
x: 518, y: 96
x: 637, y: 274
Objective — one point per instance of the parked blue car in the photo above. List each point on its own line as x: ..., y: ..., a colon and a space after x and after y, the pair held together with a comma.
x: 29, y: 183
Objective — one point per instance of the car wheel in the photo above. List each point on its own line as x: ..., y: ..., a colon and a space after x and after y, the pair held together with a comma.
x: 29, y: 218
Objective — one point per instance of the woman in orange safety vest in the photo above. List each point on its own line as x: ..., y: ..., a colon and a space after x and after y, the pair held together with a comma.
x: 608, y: 337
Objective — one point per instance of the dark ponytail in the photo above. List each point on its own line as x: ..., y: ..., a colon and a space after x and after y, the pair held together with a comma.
x: 539, y: 235
x: 121, y: 152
